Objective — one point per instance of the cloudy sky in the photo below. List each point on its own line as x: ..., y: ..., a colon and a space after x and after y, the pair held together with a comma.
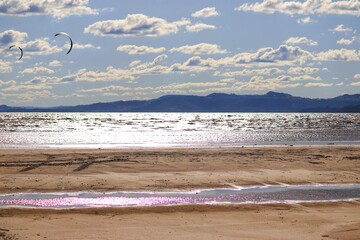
x: 141, y: 49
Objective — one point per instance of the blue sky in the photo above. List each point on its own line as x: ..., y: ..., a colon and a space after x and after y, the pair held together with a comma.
x: 143, y: 49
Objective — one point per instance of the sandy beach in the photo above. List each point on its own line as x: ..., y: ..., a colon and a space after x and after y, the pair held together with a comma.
x: 42, y: 170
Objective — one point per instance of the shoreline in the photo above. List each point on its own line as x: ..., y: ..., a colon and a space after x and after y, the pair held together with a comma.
x: 176, y: 146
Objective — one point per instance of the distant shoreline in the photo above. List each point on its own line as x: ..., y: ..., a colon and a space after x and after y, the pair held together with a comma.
x: 270, y: 102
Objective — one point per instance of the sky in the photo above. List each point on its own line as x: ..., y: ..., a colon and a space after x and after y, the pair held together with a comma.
x: 143, y: 49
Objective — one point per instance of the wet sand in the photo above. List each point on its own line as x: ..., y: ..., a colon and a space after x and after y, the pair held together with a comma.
x: 161, y: 169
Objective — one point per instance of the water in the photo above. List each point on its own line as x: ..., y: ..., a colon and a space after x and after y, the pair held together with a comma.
x: 254, y: 195
x: 118, y: 130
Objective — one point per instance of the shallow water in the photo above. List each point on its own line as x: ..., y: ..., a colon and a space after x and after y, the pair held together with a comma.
x: 113, y: 130
x: 254, y: 195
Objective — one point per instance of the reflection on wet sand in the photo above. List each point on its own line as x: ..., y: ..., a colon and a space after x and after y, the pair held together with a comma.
x: 250, y: 195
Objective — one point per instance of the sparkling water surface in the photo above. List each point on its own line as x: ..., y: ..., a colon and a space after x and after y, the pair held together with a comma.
x: 253, y: 195
x: 36, y: 130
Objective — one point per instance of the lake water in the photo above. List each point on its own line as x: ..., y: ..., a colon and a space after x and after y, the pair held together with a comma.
x: 248, y: 195
x: 121, y: 130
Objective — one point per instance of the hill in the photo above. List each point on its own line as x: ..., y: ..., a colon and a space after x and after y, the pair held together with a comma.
x: 215, y: 102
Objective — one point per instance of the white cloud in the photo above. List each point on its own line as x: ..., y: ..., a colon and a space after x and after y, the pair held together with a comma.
x: 134, y: 63
x: 341, y: 28
x: 259, y: 83
x: 198, y: 27
x: 300, y: 40
x: 339, y: 55
x: 355, y: 84
x: 206, y: 12
x: 311, y: 84
x: 52, y: 80
x: 110, y: 94
x: 189, y: 85
x: 344, y: 41
x: 55, y: 63
x: 306, y: 7
x: 57, y: 9
x: 110, y: 74
x: 11, y: 82
x: 133, y: 49
x: 16, y: 88
x: 305, y: 20
x: 357, y: 76
x: 104, y: 89
x: 283, y: 53
x: 302, y: 70
x: 39, y: 47
x: 200, y: 49
x: 194, y: 64
x: 31, y: 95
x: 82, y: 46
x: 306, y: 78
x: 264, y: 57
x: 5, y: 67
x: 251, y: 72
x: 37, y: 70
x: 228, y: 80
x: 135, y: 25
x: 10, y: 37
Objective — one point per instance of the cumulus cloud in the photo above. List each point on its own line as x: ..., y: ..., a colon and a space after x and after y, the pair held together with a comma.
x: 306, y: 7
x: 300, y: 40
x: 282, y: 53
x: 135, y: 25
x: 200, y: 49
x: 5, y: 66
x: 339, y: 55
x: 251, y: 72
x: 82, y: 46
x: 311, y: 84
x: 133, y: 49
x: 11, y: 82
x: 259, y: 83
x: 341, y: 28
x: 228, y: 80
x: 357, y: 76
x: 30, y: 95
x: 12, y: 37
x: 305, y: 20
x: 37, y: 70
x: 55, y: 63
x: 39, y: 47
x: 110, y: 74
x: 57, y: 9
x: 206, y: 12
x: 104, y: 89
x: 194, y: 64
x: 355, y: 84
x: 134, y: 63
x: 282, y: 56
x: 198, y: 27
x: 302, y: 70
x: 344, y: 41
x: 16, y: 88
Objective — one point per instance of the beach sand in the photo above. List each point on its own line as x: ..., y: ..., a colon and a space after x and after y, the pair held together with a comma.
x: 26, y: 170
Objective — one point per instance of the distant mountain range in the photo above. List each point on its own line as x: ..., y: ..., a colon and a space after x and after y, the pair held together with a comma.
x: 215, y: 102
